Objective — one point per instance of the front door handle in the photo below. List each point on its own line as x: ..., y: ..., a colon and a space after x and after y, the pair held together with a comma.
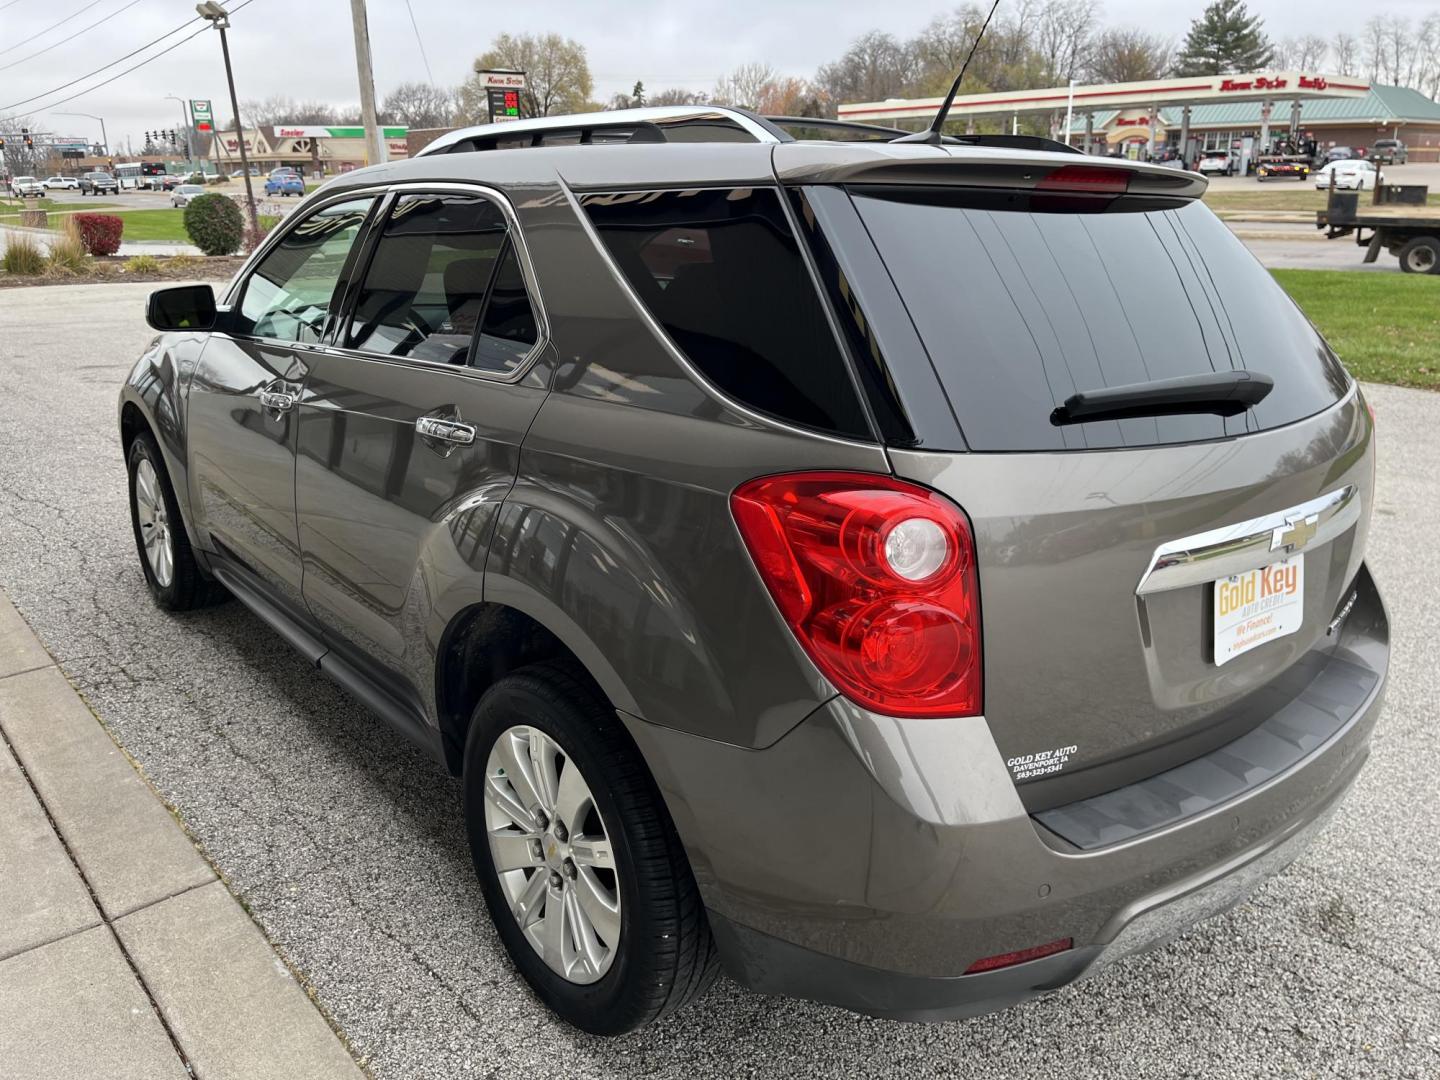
x: 277, y: 400
x: 446, y: 431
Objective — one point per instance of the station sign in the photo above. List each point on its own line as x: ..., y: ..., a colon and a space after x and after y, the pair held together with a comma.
x: 202, y: 114
x: 502, y: 94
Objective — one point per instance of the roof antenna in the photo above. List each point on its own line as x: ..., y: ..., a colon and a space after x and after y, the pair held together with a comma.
x: 933, y: 136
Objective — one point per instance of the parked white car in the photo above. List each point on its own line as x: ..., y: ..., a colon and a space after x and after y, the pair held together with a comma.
x: 1216, y: 164
x: 1350, y: 174
x: 63, y: 183
x: 27, y: 187
x: 182, y: 195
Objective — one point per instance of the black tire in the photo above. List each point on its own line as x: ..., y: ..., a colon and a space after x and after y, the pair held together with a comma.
x: 1421, y: 255
x: 188, y: 587
x: 666, y: 956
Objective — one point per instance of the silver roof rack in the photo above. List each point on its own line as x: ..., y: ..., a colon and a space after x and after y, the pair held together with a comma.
x: 621, y: 125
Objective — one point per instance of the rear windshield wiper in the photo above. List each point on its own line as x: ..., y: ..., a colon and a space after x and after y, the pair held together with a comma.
x: 1223, y: 393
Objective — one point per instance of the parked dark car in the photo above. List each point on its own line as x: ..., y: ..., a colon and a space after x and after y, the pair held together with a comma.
x: 1389, y: 152
x: 98, y: 183
x: 1339, y: 153
x: 798, y: 549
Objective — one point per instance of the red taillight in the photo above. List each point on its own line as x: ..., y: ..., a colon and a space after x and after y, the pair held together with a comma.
x: 1092, y: 179
x: 877, y: 579
x: 1020, y: 956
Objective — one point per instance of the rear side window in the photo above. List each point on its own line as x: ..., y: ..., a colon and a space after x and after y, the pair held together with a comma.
x: 1019, y: 309
x: 444, y: 285
x: 720, y: 270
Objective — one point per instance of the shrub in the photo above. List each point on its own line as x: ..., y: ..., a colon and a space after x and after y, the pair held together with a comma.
x: 254, y: 238
x: 100, y: 233
x: 142, y: 264
x: 23, y: 255
x: 215, y: 224
x: 67, y: 249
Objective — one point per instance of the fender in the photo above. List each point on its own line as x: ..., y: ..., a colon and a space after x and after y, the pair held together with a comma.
x: 155, y: 389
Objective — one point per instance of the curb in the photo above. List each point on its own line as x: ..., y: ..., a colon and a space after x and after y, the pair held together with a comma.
x: 165, y: 928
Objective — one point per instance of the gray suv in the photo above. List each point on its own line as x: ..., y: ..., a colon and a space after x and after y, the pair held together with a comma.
x: 807, y: 552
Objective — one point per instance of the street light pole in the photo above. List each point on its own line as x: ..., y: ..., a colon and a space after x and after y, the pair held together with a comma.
x: 186, y: 125
x: 220, y: 19
x: 104, y: 140
x: 374, y: 144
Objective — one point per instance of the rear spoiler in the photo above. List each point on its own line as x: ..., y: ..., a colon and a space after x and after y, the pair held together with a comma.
x: 984, y: 166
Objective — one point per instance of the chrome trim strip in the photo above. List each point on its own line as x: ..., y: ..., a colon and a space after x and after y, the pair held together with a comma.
x: 618, y: 117
x: 1248, y: 545
x: 445, y: 187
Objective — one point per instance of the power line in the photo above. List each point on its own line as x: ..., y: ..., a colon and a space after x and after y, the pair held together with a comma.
x: 72, y: 37
x: 42, y: 33
x: 97, y: 71
x: 428, y: 73
x: 7, y: 7
x: 133, y: 67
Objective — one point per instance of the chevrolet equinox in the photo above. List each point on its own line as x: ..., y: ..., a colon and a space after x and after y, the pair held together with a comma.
x: 910, y: 576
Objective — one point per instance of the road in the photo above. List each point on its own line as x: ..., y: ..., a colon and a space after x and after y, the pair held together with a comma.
x: 347, y: 845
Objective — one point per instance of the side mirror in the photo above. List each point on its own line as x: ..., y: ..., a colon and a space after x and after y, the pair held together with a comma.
x: 186, y: 307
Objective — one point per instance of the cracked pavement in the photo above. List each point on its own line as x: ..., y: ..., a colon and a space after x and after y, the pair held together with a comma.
x: 347, y: 845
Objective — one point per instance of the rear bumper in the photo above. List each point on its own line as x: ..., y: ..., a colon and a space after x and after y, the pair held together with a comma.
x: 867, y: 862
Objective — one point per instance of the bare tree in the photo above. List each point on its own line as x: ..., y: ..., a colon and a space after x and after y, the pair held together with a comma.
x: 418, y: 105
x: 1373, y: 45
x: 1128, y: 55
x: 1062, y: 37
x: 746, y: 85
x: 1346, y: 48
x: 875, y: 67
x: 678, y: 95
x: 280, y: 109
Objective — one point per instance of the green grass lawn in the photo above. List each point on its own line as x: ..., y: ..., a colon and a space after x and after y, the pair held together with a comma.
x: 10, y: 208
x: 1300, y: 197
x: 167, y: 225
x: 1386, y: 327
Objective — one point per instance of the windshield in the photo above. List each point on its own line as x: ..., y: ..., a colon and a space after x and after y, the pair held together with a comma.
x: 1019, y: 309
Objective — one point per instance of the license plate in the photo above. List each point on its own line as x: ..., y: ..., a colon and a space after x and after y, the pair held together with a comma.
x: 1258, y: 606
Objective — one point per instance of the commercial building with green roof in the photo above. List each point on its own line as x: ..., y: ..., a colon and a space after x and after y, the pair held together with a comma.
x: 1386, y: 112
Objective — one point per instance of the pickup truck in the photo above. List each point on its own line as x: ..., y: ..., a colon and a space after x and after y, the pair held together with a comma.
x: 99, y: 183
x: 27, y: 187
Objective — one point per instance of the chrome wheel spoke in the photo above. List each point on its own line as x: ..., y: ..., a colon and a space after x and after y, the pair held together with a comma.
x: 501, y: 796
x: 552, y: 931
x: 154, y: 526
x: 589, y: 948
x: 600, y: 910
x: 592, y: 851
x: 573, y: 799
x: 514, y: 755
x: 516, y: 850
x: 531, y: 901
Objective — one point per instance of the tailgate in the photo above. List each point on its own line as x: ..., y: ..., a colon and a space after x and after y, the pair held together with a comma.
x: 1098, y: 590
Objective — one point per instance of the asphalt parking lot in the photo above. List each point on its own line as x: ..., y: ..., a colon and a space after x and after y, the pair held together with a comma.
x: 347, y: 846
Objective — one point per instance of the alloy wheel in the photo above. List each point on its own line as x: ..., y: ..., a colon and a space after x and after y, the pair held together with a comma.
x: 552, y: 854
x: 154, y: 524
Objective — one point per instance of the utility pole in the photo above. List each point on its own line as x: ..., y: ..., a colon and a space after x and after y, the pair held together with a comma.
x: 220, y: 19
x: 104, y: 139
x: 374, y: 142
x: 185, y: 119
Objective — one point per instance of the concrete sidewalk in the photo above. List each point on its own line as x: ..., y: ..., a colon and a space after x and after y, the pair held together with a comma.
x: 122, y: 954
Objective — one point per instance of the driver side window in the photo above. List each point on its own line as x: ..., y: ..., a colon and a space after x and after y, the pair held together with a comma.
x: 288, y: 296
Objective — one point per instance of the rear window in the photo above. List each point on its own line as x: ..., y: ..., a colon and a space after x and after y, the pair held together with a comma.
x: 721, y: 271
x: 1019, y: 309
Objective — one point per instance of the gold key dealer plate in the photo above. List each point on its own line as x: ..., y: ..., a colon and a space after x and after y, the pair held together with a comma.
x: 1258, y: 606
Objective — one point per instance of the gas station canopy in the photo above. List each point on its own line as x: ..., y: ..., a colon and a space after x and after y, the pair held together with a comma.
x: 1200, y: 90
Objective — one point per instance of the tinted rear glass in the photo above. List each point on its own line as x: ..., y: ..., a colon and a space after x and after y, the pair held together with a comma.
x: 1019, y: 309
x: 721, y: 271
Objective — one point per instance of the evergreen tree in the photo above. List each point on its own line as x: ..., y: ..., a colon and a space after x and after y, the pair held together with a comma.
x: 1225, y: 40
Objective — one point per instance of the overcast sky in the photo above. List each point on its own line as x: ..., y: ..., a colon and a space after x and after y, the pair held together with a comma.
x: 304, y: 48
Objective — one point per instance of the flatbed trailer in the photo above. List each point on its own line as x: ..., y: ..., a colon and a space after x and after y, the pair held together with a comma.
x: 1409, y: 232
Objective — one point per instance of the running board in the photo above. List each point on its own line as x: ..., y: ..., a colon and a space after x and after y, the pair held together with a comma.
x: 349, y: 677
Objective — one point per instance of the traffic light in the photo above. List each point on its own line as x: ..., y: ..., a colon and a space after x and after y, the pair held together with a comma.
x: 29, y: 141
x: 2, y: 145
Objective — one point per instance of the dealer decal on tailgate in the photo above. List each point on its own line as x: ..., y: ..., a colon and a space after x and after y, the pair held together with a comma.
x: 1258, y: 606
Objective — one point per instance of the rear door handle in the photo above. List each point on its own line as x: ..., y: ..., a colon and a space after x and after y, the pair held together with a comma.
x: 448, y: 431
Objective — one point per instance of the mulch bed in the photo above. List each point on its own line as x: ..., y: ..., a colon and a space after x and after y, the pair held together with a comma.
x: 115, y: 268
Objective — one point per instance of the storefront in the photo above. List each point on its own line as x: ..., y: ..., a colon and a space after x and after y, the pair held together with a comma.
x: 312, y: 150
x: 1192, y: 114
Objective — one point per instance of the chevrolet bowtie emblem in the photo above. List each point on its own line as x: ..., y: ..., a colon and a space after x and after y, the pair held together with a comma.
x: 1295, y: 533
